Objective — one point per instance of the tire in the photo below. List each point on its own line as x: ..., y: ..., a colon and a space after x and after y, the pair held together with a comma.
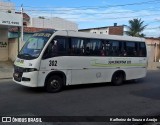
x: 54, y: 84
x: 117, y: 78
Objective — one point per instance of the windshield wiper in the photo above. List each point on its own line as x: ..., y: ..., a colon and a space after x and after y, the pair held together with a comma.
x: 25, y: 56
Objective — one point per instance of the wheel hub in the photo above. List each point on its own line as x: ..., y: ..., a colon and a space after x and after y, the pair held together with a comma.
x: 54, y: 84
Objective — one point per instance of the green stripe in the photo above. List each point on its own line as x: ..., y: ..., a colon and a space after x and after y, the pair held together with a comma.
x: 113, y: 65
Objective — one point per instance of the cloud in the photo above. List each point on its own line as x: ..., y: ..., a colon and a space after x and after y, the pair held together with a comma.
x: 97, y: 17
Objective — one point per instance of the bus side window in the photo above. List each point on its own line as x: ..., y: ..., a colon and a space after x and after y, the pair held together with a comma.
x: 124, y: 53
x: 131, y: 49
x: 103, y: 48
x: 136, y: 49
x: 114, y: 48
x: 94, y: 47
x: 76, y: 46
x: 57, y: 47
x: 142, y: 50
x: 88, y: 47
x: 108, y: 44
x: 48, y: 52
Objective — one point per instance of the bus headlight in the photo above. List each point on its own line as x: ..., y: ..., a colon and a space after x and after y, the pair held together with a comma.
x: 29, y: 69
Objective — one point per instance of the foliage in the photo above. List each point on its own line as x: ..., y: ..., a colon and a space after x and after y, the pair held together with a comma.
x: 136, y: 27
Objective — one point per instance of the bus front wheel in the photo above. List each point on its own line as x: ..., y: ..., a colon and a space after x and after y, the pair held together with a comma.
x: 117, y: 78
x: 54, y: 84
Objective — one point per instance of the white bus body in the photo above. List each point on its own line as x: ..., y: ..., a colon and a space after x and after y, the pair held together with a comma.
x: 69, y: 58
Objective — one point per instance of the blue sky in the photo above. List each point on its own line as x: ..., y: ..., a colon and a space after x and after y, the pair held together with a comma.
x: 97, y: 13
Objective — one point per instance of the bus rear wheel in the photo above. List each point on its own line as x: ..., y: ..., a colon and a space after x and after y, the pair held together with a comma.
x: 54, y: 84
x: 117, y: 78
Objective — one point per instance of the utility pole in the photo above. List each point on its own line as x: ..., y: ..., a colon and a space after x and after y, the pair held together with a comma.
x: 21, y: 27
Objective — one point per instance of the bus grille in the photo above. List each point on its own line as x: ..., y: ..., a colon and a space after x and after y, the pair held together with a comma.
x: 18, y: 69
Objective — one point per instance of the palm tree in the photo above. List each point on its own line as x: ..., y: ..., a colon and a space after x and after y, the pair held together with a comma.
x: 136, y: 28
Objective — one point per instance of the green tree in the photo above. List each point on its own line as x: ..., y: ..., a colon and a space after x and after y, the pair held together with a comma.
x: 136, y: 27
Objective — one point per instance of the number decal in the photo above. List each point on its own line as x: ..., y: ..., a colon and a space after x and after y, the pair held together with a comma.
x: 52, y: 62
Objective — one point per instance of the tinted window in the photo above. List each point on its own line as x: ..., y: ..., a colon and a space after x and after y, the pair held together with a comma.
x: 131, y: 49
x: 94, y: 47
x: 113, y: 48
x: 76, y: 46
x: 34, y: 46
x: 142, y: 50
x: 57, y: 47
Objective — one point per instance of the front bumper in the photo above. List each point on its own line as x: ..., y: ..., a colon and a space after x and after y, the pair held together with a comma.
x: 26, y: 78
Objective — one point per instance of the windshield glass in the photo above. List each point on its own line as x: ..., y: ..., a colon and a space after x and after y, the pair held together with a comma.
x: 34, y: 46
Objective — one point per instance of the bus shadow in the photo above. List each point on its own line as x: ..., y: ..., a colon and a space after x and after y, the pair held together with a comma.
x: 39, y: 90
x: 108, y: 84
x: 86, y: 86
x: 136, y: 81
x: 36, y: 90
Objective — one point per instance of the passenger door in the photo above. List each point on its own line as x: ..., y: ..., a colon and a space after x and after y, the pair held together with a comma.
x: 53, y: 57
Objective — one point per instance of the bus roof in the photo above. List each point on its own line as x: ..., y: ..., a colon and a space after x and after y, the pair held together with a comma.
x: 98, y: 36
x: 47, y: 31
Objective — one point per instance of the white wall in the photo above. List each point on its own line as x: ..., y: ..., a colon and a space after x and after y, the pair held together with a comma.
x: 97, y: 31
x: 5, y: 6
x: 100, y: 31
x: 13, y: 49
x: 54, y: 23
x: 3, y: 48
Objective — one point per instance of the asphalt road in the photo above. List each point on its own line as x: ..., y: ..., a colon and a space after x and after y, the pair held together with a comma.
x: 139, y: 98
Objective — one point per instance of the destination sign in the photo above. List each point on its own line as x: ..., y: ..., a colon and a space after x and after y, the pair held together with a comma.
x: 43, y: 34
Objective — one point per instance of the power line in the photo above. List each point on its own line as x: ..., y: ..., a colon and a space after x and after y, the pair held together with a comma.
x: 97, y: 13
x: 153, y: 28
x: 123, y: 17
x: 85, y: 7
x: 95, y: 7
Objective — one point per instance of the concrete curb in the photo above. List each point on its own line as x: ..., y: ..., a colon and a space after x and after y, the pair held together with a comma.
x: 5, y: 78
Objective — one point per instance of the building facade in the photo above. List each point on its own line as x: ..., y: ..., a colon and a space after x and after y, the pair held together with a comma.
x: 7, y: 20
x: 108, y: 30
x: 53, y: 23
x: 10, y: 28
x: 153, y: 44
x: 7, y: 7
x: 153, y: 48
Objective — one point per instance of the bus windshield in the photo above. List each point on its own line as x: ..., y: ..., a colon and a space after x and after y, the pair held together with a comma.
x: 34, y: 45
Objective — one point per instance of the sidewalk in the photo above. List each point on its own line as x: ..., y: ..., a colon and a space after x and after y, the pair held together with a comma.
x: 6, y: 70
x: 153, y: 66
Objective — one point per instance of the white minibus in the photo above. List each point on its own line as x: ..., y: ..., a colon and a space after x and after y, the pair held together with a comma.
x: 54, y: 59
